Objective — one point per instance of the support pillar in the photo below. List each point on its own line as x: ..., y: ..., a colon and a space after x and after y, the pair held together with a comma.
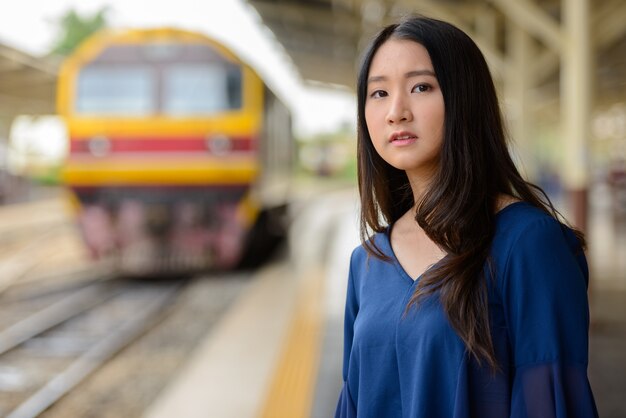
x: 518, y: 85
x: 576, y: 106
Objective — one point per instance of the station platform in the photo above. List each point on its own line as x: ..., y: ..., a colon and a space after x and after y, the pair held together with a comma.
x: 278, y: 352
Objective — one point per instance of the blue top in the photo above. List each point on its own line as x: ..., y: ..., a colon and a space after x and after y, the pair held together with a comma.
x: 416, y: 366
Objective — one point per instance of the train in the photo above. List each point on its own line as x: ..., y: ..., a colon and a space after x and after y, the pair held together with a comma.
x: 180, y: 154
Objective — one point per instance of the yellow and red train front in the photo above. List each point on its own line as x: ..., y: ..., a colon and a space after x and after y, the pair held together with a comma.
x: 165, y: 129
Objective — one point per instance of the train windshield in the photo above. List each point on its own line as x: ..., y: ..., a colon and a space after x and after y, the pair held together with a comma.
x: 116, y: 90
x: 200, y: 89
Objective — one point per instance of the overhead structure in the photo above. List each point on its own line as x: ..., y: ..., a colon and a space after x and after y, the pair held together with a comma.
x: 325, y: 37
x: 554, y: 61
x: 27, y: 85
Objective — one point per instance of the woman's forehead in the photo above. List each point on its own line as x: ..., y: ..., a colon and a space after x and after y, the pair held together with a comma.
x: 400, y: 55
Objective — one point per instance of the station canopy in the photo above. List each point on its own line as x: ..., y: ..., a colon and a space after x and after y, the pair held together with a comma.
x: 325, y: 37
x: 27, y: 83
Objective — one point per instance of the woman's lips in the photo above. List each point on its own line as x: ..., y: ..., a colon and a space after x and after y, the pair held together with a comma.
x: 402, y: 138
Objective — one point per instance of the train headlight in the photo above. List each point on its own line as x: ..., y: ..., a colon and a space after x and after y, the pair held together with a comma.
x: 219, y: 144
x: 99, y: 146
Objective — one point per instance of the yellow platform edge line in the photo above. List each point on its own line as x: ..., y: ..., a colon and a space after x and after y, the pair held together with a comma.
x: 292, y: 388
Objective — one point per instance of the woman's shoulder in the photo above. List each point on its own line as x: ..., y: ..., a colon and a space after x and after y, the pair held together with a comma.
x: 524, y: 225
x: 372, y: 255
x: 378, y: 240
x: 526, y: 232
x: 520, y: 218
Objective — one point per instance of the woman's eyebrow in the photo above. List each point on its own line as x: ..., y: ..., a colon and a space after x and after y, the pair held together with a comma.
x: 410, y: 74
x: 376, y: 78
x: 419, y: 72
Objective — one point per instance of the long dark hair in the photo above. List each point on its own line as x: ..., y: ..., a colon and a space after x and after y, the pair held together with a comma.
x: 458, y: 210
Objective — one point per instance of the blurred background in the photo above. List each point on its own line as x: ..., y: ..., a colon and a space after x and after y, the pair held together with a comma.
x: 178, y: 191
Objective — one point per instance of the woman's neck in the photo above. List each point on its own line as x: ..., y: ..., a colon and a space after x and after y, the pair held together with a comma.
x: 419, y: 185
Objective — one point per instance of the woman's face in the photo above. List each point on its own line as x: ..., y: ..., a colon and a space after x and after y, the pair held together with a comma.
x: 404, y: 108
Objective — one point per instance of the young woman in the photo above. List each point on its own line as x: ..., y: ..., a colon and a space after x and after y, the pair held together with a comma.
x: 470, y: 299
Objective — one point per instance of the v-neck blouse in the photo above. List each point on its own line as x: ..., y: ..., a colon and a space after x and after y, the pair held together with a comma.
x: 401, y: 270
x: 413, y: 364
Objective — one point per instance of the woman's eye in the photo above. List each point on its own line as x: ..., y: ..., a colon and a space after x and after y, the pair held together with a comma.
x: 378, y: 93
x: 421, y: 88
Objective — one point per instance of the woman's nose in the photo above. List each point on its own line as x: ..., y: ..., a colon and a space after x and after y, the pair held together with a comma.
x: 399, y: 111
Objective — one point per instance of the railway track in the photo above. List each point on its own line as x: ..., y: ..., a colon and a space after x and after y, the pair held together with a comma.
x: 66, y: 320
x: 38, y: 242
x: 21, y: 253
x: 46, y: 354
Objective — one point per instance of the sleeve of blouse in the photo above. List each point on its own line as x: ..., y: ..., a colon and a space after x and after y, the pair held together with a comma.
x: 545, y: 300
x: 345, y: 405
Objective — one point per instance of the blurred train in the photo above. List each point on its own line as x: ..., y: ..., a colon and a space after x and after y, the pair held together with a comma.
x: 180, y: 155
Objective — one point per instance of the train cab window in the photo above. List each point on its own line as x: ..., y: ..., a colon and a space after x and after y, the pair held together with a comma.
x: 233, y: 84
x: 200, y: 89
x: 116, y: 90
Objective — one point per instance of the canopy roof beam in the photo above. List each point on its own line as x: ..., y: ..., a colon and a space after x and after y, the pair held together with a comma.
x: 533, y: 19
